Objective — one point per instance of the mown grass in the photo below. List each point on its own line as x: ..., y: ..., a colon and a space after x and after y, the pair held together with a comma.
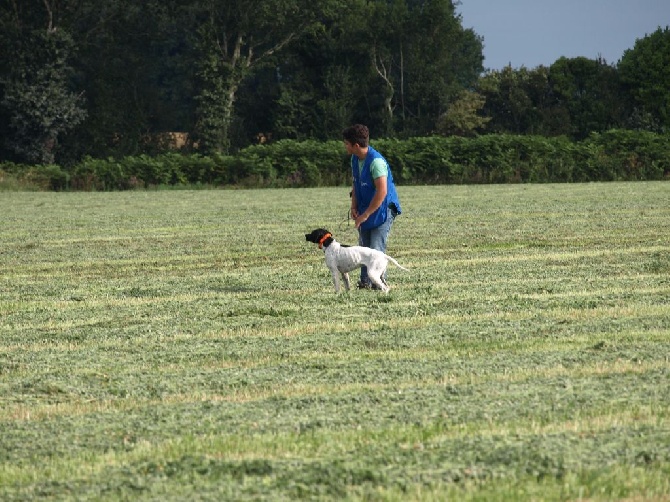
x: 188, y: 345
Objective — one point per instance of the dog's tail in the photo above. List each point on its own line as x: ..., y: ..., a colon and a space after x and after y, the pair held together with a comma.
x: 392, y: 260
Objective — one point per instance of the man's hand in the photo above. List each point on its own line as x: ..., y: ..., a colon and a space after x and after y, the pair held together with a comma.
x: 359, y: 220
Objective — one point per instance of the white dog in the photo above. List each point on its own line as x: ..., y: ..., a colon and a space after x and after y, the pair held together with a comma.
x: 341, y: 259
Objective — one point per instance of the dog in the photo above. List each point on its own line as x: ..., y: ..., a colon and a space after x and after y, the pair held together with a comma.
x: 342, y: 259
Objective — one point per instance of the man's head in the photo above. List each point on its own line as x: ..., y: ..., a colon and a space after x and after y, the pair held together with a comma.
x: 357, y: 134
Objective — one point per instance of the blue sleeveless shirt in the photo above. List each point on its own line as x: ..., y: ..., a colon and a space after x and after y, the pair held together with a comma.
x: 364, y: 187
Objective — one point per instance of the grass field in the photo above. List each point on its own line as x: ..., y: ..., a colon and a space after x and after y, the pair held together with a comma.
x: 188, y: 345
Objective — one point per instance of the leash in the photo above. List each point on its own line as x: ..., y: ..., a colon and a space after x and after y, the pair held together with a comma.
x: 346, y: 220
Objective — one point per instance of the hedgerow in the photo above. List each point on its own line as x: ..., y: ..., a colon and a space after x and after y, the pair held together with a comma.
x: 617, y: 155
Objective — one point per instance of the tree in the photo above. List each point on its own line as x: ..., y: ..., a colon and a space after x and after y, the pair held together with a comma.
x: 645, y: 72
x: 590, y: 92
x: 135, y: 61
x: 416, y: 59
x: 386, y: 44
x: 117, y: 73
x: 236, y: 37
x: 372, y: 62
x: 39, y: 103
x: 572, y: 97
x: 515, y: 99
x: 463, y: 116
x: 441, y: 60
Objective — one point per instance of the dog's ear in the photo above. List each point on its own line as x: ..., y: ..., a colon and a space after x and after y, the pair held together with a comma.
x: 316, y: 235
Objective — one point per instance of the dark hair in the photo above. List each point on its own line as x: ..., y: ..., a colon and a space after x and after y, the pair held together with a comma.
x: 357, y: 134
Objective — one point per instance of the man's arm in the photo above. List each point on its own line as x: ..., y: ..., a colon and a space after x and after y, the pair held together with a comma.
x: 379, y: 197
x: 354, y: 203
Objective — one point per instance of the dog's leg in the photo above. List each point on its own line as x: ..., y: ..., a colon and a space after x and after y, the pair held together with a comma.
x: 377, y: 281
x: 345, y: 277
x: 376, y: 271
x: 336, y: 279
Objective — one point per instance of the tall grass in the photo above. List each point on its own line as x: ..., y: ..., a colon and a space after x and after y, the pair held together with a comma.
x: 188, y: 345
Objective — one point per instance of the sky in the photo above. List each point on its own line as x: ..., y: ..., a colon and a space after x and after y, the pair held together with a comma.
x: 537, y: 32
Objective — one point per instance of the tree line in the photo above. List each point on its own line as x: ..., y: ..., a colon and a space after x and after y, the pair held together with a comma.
x: 114, y: 78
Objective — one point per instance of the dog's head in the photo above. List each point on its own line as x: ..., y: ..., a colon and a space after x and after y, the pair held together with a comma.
x: 319, y: 236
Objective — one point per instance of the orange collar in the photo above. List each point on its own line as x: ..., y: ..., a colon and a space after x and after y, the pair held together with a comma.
x: 323, y: 239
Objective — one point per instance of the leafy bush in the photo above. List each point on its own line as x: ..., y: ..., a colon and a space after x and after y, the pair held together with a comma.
x: 33, y: 177
x: 295, y: 163
x: 632, y: 155
x: 99, y: 174
x: 613, y: 155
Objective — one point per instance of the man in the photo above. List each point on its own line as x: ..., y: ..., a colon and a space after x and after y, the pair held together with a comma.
x: 374, y: 200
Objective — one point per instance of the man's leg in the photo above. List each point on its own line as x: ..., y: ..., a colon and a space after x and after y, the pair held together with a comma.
x: 379, y: 237
x: 364, y: 240
x: 375, y: 239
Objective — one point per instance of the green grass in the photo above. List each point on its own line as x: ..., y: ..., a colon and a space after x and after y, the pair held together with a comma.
x: 188, y: 345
